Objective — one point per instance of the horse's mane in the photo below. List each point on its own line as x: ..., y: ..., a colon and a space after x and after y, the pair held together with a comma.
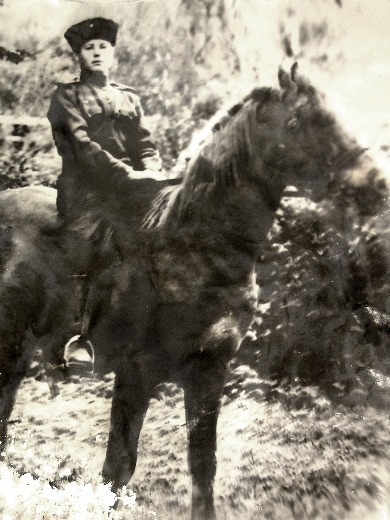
x: 226, y: 156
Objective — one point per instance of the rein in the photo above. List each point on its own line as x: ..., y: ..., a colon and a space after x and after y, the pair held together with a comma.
x: 342, y: 163
x: 346, y: 158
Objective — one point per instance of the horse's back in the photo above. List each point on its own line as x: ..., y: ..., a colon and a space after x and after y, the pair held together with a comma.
x: 32, y: 206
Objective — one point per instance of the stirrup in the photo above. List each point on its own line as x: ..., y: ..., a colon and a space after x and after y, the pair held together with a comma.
x: 79, y: 355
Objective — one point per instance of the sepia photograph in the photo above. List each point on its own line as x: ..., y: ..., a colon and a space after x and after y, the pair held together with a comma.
x: 194, y: 259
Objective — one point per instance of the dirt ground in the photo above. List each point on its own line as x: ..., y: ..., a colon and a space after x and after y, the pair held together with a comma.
x: 282, y: 452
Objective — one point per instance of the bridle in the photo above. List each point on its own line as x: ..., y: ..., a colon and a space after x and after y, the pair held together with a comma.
x: 342, y: 163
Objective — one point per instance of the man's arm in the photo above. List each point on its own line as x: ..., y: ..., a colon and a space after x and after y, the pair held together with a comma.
x: 147, y: 154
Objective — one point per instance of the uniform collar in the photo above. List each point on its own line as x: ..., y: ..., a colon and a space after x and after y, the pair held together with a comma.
x: 94, y: 79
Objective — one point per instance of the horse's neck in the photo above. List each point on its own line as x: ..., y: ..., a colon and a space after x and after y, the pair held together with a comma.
x: 221, y: 222
x: 250, y: 211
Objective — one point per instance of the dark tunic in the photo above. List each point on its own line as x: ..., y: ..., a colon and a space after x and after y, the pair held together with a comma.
x: 101, y: 135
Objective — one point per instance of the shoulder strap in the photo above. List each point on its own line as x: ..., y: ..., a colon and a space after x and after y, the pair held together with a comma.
x: 126, y: 88
x: 66, y: 86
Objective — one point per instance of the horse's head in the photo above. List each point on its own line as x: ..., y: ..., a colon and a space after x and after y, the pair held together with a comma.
x: 276, y: 137
x: 299, y: 138
x: 272, y: 139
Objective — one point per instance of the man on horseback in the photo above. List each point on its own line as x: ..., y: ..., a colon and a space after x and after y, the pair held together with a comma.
x: 100, y: 132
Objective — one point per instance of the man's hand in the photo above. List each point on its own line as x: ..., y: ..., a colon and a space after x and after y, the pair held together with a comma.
x: 147, y: 174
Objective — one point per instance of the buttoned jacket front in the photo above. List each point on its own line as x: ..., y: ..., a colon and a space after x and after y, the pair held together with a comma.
x: 101, y: 134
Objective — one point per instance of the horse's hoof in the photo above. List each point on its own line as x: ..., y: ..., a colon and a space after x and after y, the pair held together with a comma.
x: 79, y: 356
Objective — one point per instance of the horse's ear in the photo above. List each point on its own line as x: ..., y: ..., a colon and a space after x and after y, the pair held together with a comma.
x: 305, y: 86
x: 294, y: 69
x: 284, y: 79
x: 301, y: 82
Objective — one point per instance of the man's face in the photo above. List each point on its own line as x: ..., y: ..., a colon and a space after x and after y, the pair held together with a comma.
x: 96, y: 56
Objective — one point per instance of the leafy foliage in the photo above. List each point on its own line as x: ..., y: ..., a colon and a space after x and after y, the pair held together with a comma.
x: 34, y: 496
x: 28, y: 155
x: 315, y: 282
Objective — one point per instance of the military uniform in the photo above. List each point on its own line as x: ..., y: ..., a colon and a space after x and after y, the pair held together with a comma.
x: 100, y: 132
x: 101, y: 135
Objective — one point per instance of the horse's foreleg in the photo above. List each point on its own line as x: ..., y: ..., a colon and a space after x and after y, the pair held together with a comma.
x: 133, y: 389
x: 203, y: 386
x: 14, y: 363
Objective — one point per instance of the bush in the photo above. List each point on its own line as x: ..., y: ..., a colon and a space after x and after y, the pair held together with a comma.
x: 28, y: 498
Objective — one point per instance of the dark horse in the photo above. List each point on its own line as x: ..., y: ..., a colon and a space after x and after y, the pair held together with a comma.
x: 180, y: 302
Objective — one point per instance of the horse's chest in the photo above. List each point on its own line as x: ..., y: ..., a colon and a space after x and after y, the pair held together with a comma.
x: 217, y: 321
x: 179, y: 276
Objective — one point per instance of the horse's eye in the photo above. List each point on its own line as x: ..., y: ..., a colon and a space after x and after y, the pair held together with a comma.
x: 292, y: 123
